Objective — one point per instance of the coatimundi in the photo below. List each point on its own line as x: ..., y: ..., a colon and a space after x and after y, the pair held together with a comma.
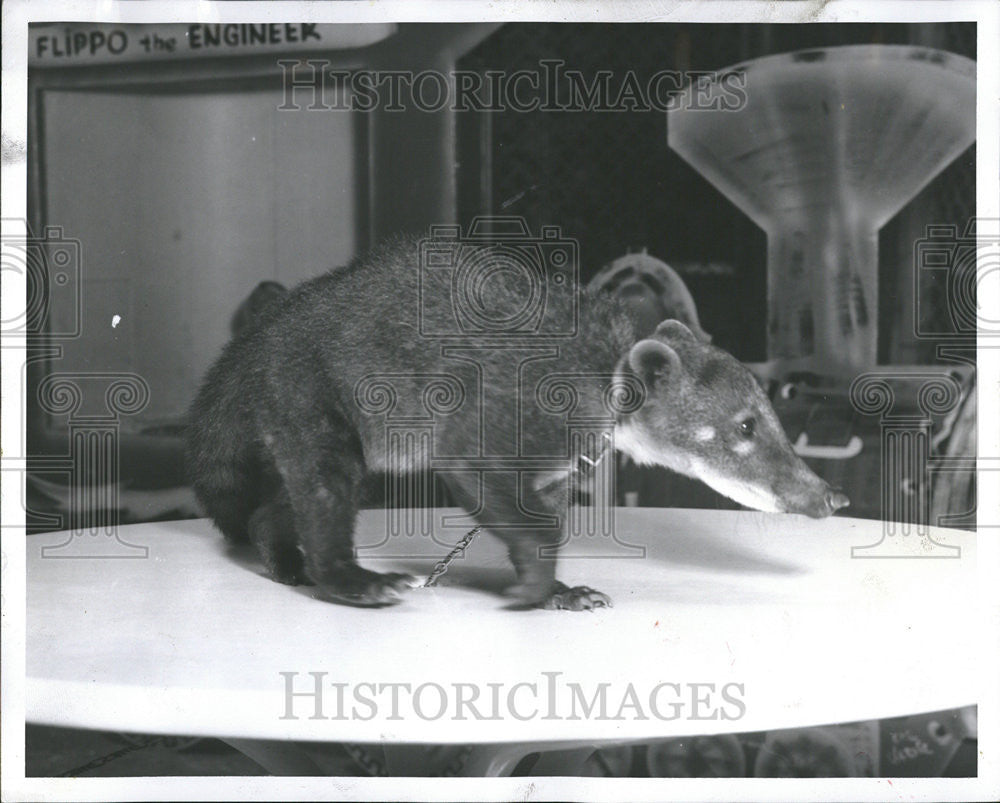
x: 296, y: 410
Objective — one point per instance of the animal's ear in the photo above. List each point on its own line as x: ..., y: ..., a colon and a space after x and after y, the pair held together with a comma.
x: 674, y: 330
x: 653, y: 360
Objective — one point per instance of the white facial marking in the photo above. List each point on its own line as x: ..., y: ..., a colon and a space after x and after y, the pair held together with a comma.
x: 743, y: 447
x: 742, y: 492
x: 704, y: 434
x: 630, y: 440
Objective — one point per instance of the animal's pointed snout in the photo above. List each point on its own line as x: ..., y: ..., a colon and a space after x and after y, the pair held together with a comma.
x: 835, y: 500
x: 819, y: 501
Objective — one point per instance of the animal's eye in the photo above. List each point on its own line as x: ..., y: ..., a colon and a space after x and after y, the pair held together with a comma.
x: 747, y: 427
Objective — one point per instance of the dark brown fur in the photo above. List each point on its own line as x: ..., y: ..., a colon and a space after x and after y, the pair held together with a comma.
x: 280, y: 443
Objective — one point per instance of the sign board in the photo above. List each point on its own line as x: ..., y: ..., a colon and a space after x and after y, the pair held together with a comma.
x: 66, y: 44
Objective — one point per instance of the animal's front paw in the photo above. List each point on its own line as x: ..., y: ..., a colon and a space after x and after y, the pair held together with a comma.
x: 366, y: 589
x: 559, y: 597
x: 577, y: 598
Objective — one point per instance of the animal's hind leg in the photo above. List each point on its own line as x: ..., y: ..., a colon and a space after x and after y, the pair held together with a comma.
x: 321, y: 465
x: 272, y: 532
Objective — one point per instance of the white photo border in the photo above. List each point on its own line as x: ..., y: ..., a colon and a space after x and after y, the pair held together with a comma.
x: 16, y: 16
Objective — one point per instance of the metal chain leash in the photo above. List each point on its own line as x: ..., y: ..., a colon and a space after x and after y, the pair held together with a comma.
x: 442, y: 565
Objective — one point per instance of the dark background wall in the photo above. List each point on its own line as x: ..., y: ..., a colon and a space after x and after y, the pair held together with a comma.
x: 609, y: 179
x: 245, y: 195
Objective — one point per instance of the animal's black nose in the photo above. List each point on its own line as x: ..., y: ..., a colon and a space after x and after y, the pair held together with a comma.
x: 835, y: 500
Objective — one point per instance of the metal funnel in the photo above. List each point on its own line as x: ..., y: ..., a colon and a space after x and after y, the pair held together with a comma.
x: 829, y: 145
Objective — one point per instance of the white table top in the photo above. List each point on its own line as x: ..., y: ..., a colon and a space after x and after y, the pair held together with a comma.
x: 192, y: 640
